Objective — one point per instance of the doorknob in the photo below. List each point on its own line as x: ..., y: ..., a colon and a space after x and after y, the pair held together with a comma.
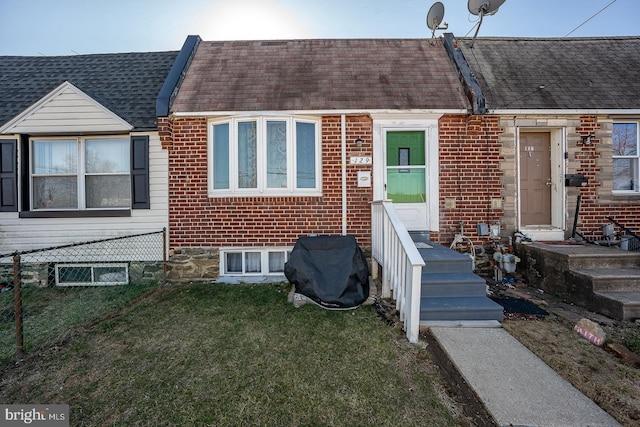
x: 549, y: 182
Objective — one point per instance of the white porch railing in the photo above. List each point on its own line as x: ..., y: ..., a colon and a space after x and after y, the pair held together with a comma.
x: 395, y: 251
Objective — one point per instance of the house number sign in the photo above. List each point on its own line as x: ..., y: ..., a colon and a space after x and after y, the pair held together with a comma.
x: 360, y: 160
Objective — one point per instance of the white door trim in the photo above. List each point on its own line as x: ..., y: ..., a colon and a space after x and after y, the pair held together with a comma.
x: 430, y: 127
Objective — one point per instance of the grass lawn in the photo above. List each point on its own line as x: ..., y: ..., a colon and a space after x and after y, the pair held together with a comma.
x: 50, y: 312
x: 212, y: 354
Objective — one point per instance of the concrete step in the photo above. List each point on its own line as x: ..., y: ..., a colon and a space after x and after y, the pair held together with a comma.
x: 608, y: 258
x: 609, y: 279
x: 459, y: 309
x: 452, y: 284
x: 618, y: 305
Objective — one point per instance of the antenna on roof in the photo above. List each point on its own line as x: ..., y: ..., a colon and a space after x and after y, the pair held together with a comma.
x: 434, y: 18
x: 482, y: 8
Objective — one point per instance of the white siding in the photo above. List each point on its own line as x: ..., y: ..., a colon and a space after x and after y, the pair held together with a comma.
x: 66, y: 110
x: 18, y: 234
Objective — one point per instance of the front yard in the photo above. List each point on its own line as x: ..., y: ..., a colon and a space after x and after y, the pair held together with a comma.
x: 211, y: 354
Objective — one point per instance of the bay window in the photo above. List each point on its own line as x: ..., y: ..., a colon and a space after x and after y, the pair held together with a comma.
x: 626, y: 156
x: 264, y: 156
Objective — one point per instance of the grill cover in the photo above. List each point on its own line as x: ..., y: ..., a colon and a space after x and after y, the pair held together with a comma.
x: 330, y: 270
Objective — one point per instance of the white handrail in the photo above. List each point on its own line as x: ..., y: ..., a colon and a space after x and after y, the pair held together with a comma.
x: 395, y: 251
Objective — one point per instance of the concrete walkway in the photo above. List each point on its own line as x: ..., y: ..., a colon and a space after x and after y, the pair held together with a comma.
x: 516, y: 387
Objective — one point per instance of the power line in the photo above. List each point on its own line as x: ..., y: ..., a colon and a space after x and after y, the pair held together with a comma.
x: 590, y: 18
x: 557, y: 80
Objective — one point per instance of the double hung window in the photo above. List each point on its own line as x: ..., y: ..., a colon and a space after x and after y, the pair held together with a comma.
x: 264, y: 156
x: 80, y: 173
x: 626, y: 155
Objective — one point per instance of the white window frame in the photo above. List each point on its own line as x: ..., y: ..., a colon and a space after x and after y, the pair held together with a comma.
x: 261, y: 189
x: 264, y: 260
x: 81, y: 171
x: 635, y: 157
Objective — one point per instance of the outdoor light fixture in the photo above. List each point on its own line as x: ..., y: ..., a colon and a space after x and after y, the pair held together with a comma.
x: 586, y: 140
x: 359, y: 142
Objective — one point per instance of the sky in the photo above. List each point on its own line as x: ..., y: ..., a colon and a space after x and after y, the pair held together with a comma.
x: 69, y: 27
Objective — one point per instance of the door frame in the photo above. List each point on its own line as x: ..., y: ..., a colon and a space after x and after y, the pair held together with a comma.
x: 428, y: 123
x: 555, y: 230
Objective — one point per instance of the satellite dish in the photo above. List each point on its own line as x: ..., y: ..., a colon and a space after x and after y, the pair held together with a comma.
x: 434, y: 18
x: 482, y: 8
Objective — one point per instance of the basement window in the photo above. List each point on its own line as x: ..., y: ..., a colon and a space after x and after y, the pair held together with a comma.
x: 106, y: 274
x: 253, y: 261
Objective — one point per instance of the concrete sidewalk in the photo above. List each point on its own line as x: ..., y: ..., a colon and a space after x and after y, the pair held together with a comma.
x: 516, y: 387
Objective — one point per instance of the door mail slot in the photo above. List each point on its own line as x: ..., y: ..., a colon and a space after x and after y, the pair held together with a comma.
x: 575, y: 180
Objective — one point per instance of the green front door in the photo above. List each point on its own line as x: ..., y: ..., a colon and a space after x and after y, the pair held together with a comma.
x: 406, y: 183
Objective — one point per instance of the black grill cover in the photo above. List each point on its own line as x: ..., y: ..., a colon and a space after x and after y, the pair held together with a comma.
x: 330, y: 270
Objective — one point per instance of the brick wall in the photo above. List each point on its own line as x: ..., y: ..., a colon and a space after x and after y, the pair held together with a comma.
x: 470, y: 175
x: 597, y: 200
x: 195, y: 220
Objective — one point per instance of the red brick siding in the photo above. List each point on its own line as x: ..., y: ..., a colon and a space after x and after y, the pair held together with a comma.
x: 593, y: 210
x: 196, y: 220
x: 469, y: 173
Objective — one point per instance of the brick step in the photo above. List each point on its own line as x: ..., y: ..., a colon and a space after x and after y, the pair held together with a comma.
x: 459, y: 309
x: 618, y: 305
x: 609, y: 280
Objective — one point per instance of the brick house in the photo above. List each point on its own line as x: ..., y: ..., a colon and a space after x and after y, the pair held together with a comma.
x: 563, y: 110
x: 272, y: 140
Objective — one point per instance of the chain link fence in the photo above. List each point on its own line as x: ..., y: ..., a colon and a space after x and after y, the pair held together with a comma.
x: 45, y: 293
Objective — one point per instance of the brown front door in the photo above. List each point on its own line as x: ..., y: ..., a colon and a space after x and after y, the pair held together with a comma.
x: 535, y: 178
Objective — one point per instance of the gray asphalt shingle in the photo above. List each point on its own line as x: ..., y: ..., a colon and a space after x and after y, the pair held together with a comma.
x: 334, y: 74
x: 563, y: 73
x: 125, y: 83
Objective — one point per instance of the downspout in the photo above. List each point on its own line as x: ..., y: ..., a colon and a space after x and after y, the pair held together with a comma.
x: 344, y: 174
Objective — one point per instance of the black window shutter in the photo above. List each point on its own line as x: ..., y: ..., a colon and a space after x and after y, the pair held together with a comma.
x: 8, y: 176
x: 140, y: 172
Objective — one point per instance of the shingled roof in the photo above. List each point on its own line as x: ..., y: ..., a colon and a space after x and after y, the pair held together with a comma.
x: 568, y: 73
x: 125, y: 83
x: 354, y: 74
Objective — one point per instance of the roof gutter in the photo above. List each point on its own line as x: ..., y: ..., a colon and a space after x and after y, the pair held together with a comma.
x: 567, y: 112
x: 176, y: 75
x: 465, y: 75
